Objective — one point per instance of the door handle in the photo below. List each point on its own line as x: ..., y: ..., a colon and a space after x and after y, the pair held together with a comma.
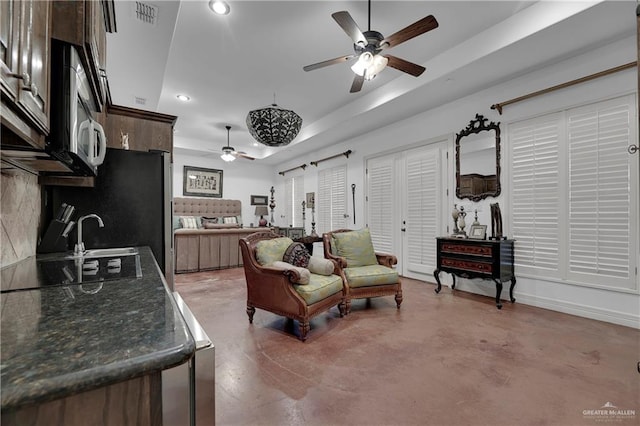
x: 404, y: 226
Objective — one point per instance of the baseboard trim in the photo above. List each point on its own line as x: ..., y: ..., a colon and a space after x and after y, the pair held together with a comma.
x: 584, y: 311
x: 580, y: 310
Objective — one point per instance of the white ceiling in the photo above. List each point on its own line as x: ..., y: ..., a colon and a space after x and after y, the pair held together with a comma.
x: 232, y: 64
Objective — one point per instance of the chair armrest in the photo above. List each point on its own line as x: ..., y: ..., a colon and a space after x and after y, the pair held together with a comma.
x: 337, y: 267
x: 386, y: 259
x: 291, y: 274
x: 341, y: 261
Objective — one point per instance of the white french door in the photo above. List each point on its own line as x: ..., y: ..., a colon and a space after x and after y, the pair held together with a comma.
x: 406, y: 204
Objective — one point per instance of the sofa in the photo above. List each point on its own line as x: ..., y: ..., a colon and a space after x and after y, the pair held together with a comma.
x: 208, y: 243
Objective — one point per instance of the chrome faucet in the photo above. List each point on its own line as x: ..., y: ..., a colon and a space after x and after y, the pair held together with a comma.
x: 79, y: 248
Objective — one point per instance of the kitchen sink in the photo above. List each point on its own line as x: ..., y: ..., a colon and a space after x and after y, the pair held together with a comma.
x: 106, y: 252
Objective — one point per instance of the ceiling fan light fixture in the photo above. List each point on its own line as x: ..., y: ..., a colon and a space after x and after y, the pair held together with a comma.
x: 273, y: 126
x: 378, y: 64
x: 227, y: 157
x: 227, y: 151
x: 365, y: 60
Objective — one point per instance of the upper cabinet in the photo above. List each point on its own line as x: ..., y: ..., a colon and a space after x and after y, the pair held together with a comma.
x: 84, y: 24
x: 139, y: 130
x: 24, y: 76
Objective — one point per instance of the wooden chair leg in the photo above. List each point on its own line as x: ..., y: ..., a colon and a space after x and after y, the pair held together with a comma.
x: 343, y: 309
x: 250, y: 311
x: 398, y: 298
x: 304, y: 329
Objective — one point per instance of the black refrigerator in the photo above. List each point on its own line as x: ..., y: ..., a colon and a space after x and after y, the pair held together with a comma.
x: 133, y: 196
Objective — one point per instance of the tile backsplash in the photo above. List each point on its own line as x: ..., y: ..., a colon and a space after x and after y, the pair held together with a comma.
x: 20, y: 212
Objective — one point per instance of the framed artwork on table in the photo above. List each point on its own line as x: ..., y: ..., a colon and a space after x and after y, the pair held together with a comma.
x: 311, y: 200
x: 259, y: 200
x: 201, y: 182
x: 294, y: 233
x: 478, y: 232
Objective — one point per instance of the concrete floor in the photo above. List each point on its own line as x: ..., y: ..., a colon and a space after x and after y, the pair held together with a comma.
x: 448, y: 359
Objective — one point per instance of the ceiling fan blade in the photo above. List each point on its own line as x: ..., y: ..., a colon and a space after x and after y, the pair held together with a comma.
x: 346, y: 22
x: 356, y: 86
x: 404, y: 66
x: 243, y: 155
x: 327, y: 63
x: 427, y: 23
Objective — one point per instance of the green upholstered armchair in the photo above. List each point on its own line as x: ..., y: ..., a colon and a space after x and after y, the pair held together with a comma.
x: 366, y: 273
x: 281, y: 289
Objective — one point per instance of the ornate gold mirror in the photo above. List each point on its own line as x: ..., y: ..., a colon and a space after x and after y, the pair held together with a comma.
x: 478, y: 160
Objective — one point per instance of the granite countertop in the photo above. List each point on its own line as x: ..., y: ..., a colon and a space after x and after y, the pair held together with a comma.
x: 62, y: 340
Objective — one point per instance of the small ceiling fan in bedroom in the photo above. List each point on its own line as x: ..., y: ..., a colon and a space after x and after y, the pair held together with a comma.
x: 368, y: 47
x: 229, y: 153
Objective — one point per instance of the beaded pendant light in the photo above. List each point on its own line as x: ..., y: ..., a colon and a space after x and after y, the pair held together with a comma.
x: 273, y: 126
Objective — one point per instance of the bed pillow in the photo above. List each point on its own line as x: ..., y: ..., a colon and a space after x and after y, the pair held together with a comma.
x: 269, y: 251
x: 190, y: 222
x: 209, y: 220
x: 356, y: 247
x: 320, y: 266
x: 297, y: 255
x: 305, y: 274
x: 176, y: 223
x: 230, y: 219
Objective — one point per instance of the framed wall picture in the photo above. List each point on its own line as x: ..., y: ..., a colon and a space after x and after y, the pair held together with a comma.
x: 259, y: 200
x: 478, y: 232
x: 311, y: 200
x: 202, y: 182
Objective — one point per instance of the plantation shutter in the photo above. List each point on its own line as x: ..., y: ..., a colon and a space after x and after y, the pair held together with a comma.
x: 422, y: 186
x: 331, y: 203
x: 380, y: 191
x: 288, y: 202
x: 338, y: 197
x: 535, y: 192
x: 600, y: 195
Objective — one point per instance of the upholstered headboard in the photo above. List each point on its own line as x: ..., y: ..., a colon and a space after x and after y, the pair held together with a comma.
x: 206, y: 207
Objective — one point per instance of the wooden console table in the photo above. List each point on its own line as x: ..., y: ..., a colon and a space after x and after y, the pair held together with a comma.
x: 469, y: 258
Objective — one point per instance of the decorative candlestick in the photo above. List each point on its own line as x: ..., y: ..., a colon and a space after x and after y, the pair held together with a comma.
x: 272, y: 205
x: 475, y: 221
x: 303, y: 213
x: 455, y: 214
x: 313, y: 220
x: 461, y: 222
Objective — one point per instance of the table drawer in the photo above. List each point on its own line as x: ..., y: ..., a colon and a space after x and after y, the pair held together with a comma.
x: 467, y: 265
x: 474, y: 250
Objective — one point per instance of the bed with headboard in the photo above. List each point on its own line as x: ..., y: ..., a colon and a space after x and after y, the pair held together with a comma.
x: 206, y: 233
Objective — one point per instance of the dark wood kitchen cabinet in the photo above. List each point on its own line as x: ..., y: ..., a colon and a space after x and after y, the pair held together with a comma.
x: 469, y: 258
x: 85, y: 24
x: 145, y: 130
x: 25, y: 31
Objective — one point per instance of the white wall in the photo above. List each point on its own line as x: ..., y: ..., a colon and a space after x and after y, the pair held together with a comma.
x: 446, y: 120
x: 240, y: 179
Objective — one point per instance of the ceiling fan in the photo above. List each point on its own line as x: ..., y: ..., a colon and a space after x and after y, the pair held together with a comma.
x: 230, y: 154
x: 368, y: 46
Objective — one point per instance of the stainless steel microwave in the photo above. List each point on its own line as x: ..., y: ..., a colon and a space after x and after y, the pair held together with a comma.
x: 76, y: 138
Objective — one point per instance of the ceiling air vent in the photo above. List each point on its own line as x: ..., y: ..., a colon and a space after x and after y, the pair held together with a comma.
x: 145, y: 12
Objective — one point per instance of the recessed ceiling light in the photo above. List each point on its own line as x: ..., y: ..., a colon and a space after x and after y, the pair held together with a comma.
x: 183, y: 98
x: 219, y: 7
